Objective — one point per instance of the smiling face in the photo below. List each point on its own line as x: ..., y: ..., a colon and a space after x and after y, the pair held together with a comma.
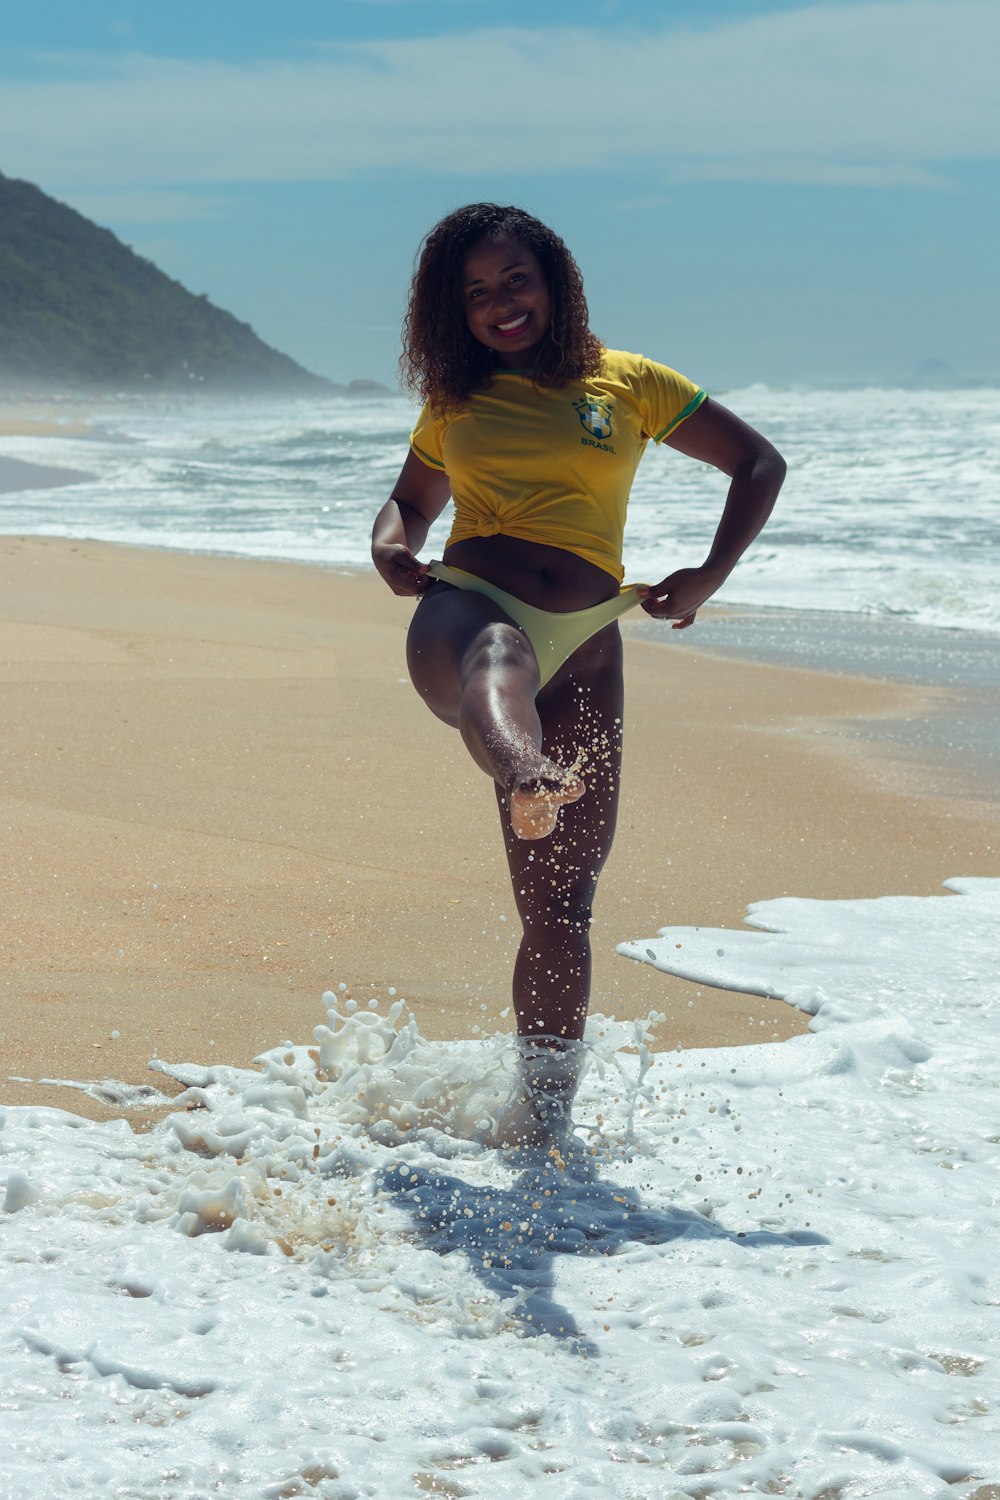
x: 506, y: 300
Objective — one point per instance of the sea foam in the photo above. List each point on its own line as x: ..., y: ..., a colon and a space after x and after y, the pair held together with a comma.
x: 764, y: 1269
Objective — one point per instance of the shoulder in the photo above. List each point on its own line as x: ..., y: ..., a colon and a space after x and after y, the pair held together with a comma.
x: 427, y: 436
x: 619, y: 364
x: 621, y: 359
x: 661, y: 396
x: 638, y: 377
x: 625, y: 365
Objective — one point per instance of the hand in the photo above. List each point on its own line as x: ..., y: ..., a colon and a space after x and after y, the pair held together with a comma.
x: 403, y: 572
x: 680, y: 596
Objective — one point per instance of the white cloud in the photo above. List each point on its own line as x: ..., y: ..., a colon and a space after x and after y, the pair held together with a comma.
x: 873, y: 93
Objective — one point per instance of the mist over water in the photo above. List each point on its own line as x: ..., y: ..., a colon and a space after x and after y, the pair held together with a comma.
x: 889, y: 506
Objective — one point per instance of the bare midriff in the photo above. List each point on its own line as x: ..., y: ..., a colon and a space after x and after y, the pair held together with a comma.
x: 547, y: 577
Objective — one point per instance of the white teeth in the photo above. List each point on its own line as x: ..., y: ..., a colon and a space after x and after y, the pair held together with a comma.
x: 509, y: 327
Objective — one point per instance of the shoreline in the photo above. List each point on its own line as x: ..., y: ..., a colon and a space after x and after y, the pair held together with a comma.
x: 223, y: 798
x: 18, y: 475
x: 959, y: 730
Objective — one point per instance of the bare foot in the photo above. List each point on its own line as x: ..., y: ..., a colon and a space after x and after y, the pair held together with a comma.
x: 536, y: 800
x: 539, y: 1111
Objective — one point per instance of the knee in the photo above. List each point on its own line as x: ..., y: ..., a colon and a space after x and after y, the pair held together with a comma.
x: 498, y: 649
x: 563, y: 909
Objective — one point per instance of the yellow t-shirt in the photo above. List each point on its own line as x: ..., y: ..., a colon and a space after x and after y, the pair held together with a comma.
x: 555, y: 466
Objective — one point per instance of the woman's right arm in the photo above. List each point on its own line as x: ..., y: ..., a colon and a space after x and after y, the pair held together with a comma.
x: 419, y: 496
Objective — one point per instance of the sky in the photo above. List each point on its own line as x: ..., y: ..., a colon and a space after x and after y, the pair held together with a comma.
x: 756, y: 190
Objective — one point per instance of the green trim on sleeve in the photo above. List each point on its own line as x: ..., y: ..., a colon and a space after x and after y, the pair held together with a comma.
x: 692, y: 405
x: 432, y: 462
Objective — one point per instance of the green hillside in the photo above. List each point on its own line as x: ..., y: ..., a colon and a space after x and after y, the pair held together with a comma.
x: 78, y: 309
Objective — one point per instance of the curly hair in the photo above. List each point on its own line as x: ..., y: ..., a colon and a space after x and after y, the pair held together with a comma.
x: 441, y: 361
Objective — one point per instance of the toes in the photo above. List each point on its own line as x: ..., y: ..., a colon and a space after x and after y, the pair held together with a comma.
x: 534, y: 810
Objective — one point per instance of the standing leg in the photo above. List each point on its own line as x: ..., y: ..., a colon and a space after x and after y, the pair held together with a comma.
x: 555, y: 879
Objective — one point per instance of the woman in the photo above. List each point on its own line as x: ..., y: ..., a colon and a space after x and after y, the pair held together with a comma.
x: 537, y: 430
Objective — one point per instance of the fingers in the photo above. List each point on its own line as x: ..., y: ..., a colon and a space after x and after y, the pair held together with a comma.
x: 657, y: 599
x: 664, y: 609
x: 681, y: 615
x: 404, y: 574
x: 660, y: 609
x: 411, y: 580
x: 679, y: 596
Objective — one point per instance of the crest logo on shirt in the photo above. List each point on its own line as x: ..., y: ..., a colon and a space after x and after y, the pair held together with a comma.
x: 595, y: 415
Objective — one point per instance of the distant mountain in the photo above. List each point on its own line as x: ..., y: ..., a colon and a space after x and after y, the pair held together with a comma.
x: 937, y: 375
x: 79, y: 309
x: 935, y: 372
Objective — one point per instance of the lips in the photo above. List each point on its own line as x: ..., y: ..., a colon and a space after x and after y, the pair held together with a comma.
x: 514, y: 327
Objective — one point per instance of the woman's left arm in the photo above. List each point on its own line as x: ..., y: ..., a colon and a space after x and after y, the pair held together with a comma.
x: 756, y: 470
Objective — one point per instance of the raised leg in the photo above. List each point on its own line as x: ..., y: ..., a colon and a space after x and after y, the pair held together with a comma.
x: 476, y: 670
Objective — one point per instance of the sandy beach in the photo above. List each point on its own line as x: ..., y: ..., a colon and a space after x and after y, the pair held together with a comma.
x: 221, y: 797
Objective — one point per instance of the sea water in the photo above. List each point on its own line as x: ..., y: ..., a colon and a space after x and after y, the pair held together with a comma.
x: 889, y: 507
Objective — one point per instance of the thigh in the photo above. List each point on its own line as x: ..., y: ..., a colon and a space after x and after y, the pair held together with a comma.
x: 448, y: 626
x: 581, y: 713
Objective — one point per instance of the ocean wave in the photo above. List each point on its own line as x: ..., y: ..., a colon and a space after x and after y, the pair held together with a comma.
x: 889, y: 506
